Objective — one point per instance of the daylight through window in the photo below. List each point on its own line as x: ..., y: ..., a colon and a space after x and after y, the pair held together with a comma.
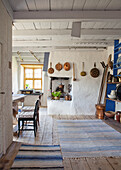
x: 33, y: 77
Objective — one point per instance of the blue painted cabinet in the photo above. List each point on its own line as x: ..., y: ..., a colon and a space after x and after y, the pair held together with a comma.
x: 110, y: 104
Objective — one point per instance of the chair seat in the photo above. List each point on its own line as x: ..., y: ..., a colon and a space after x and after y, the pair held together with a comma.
x: 28, y: 108
x: 26, y: 115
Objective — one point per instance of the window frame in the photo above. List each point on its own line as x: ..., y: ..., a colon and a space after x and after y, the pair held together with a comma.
x: 33, y: 67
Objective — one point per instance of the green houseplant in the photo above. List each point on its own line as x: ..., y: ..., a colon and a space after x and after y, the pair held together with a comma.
x: 56, y: 95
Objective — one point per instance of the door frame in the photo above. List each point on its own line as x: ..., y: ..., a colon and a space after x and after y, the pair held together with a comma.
x: 1, y: 118
x: 2, y: 143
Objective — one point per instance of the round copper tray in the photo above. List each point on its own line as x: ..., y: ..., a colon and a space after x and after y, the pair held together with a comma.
x: 58, y: 66
x: 67, y: 66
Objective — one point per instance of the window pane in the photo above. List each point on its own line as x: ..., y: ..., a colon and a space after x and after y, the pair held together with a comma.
x: 29, y: 84
x: 37, y: 73
x: 29, y: 73
x: 37, y: 84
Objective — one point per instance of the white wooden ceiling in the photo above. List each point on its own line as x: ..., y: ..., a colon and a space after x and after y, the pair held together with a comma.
x: 45, y: 25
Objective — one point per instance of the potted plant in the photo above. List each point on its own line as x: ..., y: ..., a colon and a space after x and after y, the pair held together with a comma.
x: 56, y: 95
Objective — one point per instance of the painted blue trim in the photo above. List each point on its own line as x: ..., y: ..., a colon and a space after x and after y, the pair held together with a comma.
x: 110, y: 87
x: 117, y: 46
x: 117, y: 68
x: 118, y: 52
x: 116, y: 42
x: 117, y: 75
x: 110, y: 105
x: 117, y: 63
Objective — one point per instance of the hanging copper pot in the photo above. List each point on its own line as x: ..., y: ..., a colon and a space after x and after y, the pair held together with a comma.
x: 58, y: 66
x: 66, y: 66
x: 94, y: 71
x: 50, y: 70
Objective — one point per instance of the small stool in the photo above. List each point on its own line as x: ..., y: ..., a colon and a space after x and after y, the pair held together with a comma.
x: 100, y: 108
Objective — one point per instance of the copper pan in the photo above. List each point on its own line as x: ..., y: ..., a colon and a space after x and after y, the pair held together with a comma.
x: 94, y: 72
x: 50, y: 70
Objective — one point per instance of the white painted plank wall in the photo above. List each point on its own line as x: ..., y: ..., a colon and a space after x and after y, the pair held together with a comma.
x: 18, y: 5
x: 90, y: 4
x: 31, y: 5
x: 78, y: 4
x: 29, y: 25
x: 61, y: 4
x: 114, y: 4
x: 103, y: 4
x: 42, y: 5
x: 45, y: 25
x: 59, y: 25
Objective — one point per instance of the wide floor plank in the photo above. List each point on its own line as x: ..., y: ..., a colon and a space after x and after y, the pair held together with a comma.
x: 67, y: 164
x: 99, y: 163
x: 7, y: 160
x: 115, y: 163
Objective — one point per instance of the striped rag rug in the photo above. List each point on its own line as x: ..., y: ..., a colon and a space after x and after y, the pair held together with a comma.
x: 38, y: 157
x: 88, y: 138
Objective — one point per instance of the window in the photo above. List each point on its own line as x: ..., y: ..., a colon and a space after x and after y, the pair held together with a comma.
x: 33, y: 77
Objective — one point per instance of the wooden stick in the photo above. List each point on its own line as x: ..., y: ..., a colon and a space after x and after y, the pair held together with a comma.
x: 19, y: 54
x: 74, y: 79
x: 104, y: 79
x: 34, y: 56
x: 100, y: 91
x: 106, y: 89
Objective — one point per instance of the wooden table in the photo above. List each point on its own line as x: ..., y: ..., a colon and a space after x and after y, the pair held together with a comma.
x: 16, y: 98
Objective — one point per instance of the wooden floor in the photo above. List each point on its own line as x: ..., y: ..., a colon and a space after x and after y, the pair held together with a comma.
x: 47, y: 134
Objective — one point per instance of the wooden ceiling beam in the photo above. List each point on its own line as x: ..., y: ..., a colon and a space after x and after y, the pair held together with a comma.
x: 84, y: 16
x: 59, y: 43
x: 49, y: 49
x: 67, y: 32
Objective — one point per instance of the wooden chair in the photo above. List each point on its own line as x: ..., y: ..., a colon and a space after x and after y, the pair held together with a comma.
x: 31, y: 108
x: 28, y: 116
x: 28, y: 108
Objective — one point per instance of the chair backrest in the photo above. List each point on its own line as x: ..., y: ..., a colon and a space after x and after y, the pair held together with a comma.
x: 36, y: 108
